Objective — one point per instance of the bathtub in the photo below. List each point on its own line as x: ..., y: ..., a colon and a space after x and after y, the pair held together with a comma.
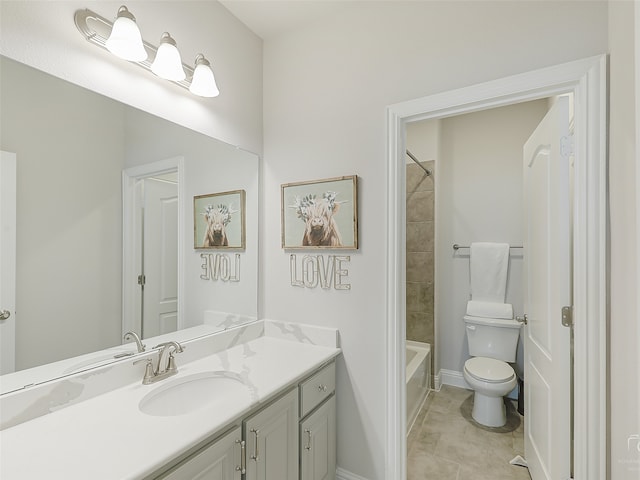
x: 418, y: 357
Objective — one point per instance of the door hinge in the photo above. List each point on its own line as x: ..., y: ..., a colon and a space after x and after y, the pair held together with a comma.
x: 566, y: 146
x: 567, y: 316
x: 142, y: 280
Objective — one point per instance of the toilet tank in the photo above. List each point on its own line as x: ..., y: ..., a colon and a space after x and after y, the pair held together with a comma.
x: 492, y: 337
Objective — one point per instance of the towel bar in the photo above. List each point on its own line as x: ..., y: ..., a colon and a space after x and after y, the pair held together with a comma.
x: 457, y: 247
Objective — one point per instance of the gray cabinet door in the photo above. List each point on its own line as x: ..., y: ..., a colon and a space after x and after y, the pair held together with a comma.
x: 216, y: 461
x: 318, y: 443
x: 272, y: 440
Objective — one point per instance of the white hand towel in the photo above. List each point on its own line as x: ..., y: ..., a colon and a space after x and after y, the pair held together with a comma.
x: 489, y: 309
x: 489, y: 264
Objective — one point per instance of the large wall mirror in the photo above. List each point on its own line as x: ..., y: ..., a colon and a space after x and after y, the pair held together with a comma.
x: 103, y: 190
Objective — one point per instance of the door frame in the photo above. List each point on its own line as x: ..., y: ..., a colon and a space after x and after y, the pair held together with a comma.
x: 130, y: 227
x: 587, y: 80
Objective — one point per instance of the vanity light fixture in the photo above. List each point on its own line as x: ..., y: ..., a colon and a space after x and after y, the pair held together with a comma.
x: 125, y: 40
x: 203, y: 83
x: 168, y: 64
x: 164, y: 61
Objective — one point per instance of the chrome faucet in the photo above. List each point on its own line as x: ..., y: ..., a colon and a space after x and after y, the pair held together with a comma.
x: 166, y: 363
x: 139, y: 344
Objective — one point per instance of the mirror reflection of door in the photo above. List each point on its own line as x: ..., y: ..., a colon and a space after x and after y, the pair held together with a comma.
x: 8, y: 189
x: 158, y: 254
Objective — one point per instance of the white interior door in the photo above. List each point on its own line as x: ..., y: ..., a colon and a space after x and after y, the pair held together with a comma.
x: 547, y: 289
x: 7, y: 261
x: 160, y: 257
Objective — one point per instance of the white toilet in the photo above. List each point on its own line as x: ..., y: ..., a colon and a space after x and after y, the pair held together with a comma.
x: 492, y: 343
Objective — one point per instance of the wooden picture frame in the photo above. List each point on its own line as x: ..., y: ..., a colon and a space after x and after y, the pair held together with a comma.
x: 219, y: 220
x: 320, y: 214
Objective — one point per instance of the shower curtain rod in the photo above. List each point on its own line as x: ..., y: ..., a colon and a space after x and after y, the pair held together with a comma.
x: 412, y: 157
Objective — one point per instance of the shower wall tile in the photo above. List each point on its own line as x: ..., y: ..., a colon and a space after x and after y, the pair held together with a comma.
x: 429, y: 297
x: 420, y: 236
x: 420, y: 206
x: 417, y: 179
x: 419, y: 248
x: 417, y: 297
x: 419, y: 266
x: 420, y: 327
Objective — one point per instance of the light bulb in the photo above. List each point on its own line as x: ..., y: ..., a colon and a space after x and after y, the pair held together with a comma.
x: 125, y: 40
x: 168, y: 64
x: 203, y: 83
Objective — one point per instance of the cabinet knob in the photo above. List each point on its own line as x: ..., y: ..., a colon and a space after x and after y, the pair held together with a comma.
x: 322, y: 388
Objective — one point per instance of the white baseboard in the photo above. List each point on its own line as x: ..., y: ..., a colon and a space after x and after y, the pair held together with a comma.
x: 342, y: 474
x: 453, y: 378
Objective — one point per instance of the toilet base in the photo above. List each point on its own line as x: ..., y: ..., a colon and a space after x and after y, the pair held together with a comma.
x: 489, y: 411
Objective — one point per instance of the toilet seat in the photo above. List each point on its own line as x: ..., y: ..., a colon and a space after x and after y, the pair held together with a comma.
x: 489, y: 370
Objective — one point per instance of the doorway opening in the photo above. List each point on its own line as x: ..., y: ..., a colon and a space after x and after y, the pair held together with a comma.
x: 151, y: 255
x: 476, y: 161
x: 586, y: 80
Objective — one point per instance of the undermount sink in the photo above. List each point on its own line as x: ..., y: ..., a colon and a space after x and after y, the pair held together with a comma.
x: 180, y: 396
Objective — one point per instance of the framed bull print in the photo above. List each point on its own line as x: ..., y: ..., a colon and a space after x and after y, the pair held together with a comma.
x: 218, y: 220
x: 320, y: 214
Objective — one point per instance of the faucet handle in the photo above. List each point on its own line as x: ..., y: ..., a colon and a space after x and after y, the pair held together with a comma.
x: 171, y: 365
x: 148, y: 370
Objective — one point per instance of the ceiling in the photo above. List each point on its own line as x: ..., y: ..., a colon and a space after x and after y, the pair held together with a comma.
x: 270, y: 18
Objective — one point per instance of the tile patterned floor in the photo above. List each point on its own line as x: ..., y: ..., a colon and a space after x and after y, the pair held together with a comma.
x: 446, y: 444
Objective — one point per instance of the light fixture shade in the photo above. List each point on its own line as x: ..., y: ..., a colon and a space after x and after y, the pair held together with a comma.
x: 203, y: 83
x: 125, y: 40
x: 168, y: 64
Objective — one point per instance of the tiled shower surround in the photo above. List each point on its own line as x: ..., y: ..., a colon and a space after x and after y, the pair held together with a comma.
x: 420, y: 255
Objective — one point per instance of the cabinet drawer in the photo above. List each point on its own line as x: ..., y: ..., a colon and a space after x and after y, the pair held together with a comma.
x: 316, y: 388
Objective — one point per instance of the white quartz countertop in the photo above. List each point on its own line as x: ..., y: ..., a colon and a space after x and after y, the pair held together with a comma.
x: 107, y: 437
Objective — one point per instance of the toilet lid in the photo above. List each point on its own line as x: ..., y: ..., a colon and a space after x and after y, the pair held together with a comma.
x: 489, y: 369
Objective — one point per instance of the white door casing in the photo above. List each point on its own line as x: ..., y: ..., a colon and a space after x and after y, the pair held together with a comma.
x: 160, y: 252
x: 586, y: 79
x: 547, y: 288
x: 8, y: 193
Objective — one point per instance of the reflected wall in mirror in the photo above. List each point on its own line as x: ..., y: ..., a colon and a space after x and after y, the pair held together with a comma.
x: 72, y: 147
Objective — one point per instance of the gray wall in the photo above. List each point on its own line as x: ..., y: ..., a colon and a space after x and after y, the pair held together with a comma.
x: 479, y: 199
x: 326, y: 87
x: 70, y: 146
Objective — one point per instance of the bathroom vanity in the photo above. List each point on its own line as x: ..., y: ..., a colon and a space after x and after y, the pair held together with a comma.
x: 252, y: 402
x: 275, y: 442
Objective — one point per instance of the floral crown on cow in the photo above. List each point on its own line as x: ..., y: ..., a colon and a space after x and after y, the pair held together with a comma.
x: 303, y: 204
x: 224, y: 210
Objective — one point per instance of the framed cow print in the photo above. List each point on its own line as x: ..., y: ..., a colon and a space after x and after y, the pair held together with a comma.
x: 320, y: 214
x: 218, y: 220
